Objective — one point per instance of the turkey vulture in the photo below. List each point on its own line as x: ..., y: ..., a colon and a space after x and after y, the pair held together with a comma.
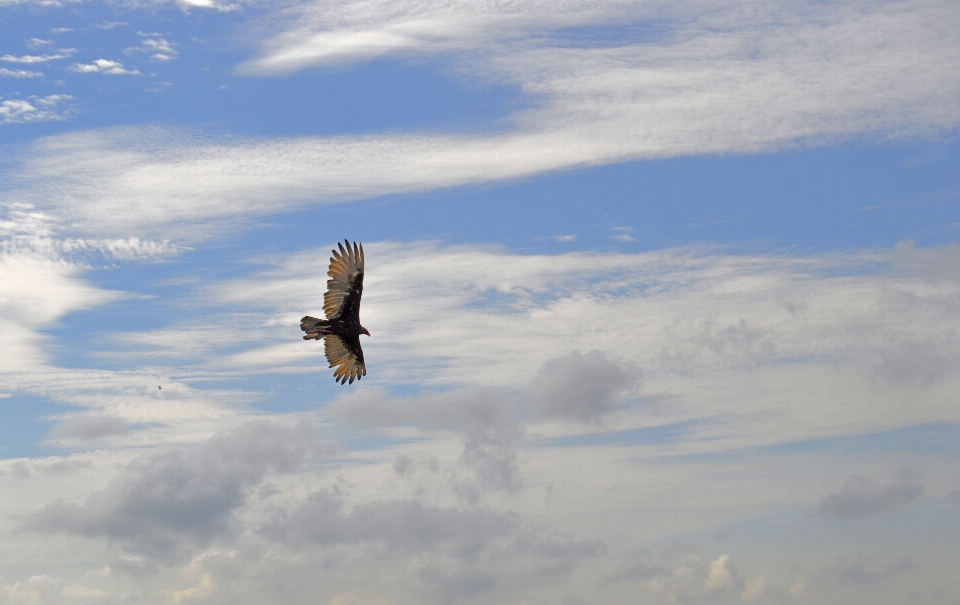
x: 341, y: 329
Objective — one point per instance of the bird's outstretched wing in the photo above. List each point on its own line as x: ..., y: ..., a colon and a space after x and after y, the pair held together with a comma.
x: 345, y: 286
x: 345, y: 354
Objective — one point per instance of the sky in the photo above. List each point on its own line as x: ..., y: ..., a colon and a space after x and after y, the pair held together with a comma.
x: 664, y: 302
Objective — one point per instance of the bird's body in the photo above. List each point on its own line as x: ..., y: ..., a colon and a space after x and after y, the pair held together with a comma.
x: 341, y: 329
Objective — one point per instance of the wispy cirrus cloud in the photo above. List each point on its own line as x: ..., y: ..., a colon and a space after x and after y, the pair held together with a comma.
x: 728, y: 82
x: 63, y: 53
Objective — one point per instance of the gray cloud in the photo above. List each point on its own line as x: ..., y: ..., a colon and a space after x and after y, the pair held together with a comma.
x: 89, y: 427
x: 581, y: 386
x: 574, y: 387
x: 860, y: 571
x: 164, y: 502
x: 914, y: 363
x: 682, y: 575
x: 453, y: 554
x: 860, y: 495
x: 640, y: 570
x: 398, y: 526
x: 487, y: 419
x: 935, y: 264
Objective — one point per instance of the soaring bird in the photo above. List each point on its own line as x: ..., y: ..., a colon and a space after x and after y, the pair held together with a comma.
x: 341, y: 329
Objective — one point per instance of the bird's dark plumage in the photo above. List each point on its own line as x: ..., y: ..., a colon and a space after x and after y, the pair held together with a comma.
x: 341, y: 329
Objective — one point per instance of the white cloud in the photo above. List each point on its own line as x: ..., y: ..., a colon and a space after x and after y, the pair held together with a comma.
x: 111, y: 24
x: 622, y: 234
x: 732, y: 79
x: 324, y: 32
x: 35, y: 109
x: 463, y: 494
x: 103, y: 66
x: 63, y: 53
x: 20, y: 73
x: 785, y: 341
x: 712, y: 77
x: 41, y: 281
x: 38, y: 42
x: 158, y: 48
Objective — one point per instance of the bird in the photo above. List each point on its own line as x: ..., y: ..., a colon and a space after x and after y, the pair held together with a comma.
x: 341, y: 329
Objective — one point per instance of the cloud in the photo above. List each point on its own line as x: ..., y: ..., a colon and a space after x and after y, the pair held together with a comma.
x: 443, y: 553
x: 861, y: 496
x: 622, y: 234
x: 405, y: 526
x: 683, y: 575
x: 348, y: 598
x: 63, y: 53
x: 38, y: 42
x: 20, y: 73
x: 103, y: 66
x: 79, y: 591
x: 158, y: 48
x: 35, y: 109
x: 89, y: 427
x: 166, y: 502
x: 914, y: 363
x: 581, y: 387
x: 734, y: 79
x: 486, y: 418
x: 762, y: 334
x: 859, y: 572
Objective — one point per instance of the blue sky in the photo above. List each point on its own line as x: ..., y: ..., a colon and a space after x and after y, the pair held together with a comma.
x: 663, y: 300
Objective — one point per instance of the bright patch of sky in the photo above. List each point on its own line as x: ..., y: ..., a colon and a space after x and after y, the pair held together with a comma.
x: 663, y: 300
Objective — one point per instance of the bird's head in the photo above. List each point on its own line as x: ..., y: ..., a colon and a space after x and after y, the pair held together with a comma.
x: 364, y: 331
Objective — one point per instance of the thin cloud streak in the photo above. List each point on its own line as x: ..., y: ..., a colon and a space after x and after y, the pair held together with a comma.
x: 782, y: 82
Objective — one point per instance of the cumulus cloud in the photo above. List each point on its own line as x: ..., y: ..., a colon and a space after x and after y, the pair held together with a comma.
x: 451, y: 553
x: 761, y: 335
x: 581, y: 387
x: 455, y: 498
x: 405, y: 526
x: 165, y: 503
x: 103, y: 66
x: 683, y: 575
x: 35, y: 109
x: 861, y: 496
x: 487, y: 419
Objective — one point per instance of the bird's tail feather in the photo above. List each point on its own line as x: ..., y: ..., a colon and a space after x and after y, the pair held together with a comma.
x: 315, y: 328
